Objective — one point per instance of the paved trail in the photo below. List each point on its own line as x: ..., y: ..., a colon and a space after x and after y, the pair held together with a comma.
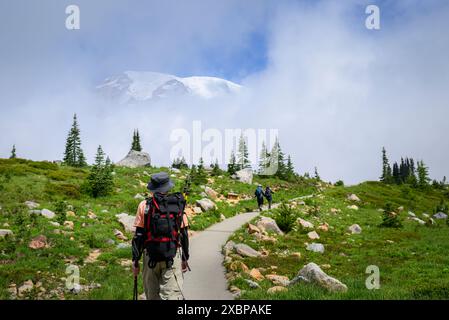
x: 207, y: 278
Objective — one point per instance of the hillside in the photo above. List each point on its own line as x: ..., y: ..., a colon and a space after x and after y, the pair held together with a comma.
x: 412, y: 260
x: 90, y: 236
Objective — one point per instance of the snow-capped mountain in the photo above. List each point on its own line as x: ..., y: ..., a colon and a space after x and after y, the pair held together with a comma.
x: 135, y: 86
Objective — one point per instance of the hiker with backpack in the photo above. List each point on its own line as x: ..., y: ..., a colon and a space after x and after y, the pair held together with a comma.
x: 259, y: 196
x: 162, y: 237
x: 269, y: 195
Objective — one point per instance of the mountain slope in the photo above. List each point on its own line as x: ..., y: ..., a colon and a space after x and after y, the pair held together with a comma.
x: 135, y: 86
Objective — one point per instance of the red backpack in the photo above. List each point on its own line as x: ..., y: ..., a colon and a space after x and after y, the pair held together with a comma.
x: 163, y: 218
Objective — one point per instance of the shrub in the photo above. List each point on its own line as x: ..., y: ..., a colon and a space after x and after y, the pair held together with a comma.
x: 285, y: 217
x: 442, y: 207
x: 339, y: 183
x: 63, y: 189
x: 61, y: 211
x: 390, y: 218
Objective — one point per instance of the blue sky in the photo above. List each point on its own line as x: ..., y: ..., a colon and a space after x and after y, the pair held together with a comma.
x: 339, y: 92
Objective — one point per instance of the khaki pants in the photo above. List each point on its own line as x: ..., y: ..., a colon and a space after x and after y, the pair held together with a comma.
x: 161, y: 283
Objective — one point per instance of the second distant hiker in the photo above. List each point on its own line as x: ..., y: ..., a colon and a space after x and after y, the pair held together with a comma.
x: 269, y: 195
x: 259, y: 196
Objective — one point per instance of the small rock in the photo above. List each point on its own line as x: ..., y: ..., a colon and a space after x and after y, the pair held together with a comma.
x: 120, y: 235
x: 206, y: 204
x: 5, y: 232
x: 411, y: 214
x: 139, y: 197
x: 353, y: 197
x: 278, y: 280
x: 315, y: 247
x: 70, y: 214
x: 55, y: 224
x: 325, y: 266
x: 324, y: 227
x: 296, y: 254
x: 197, y: 210
x: 48, y: 214
x: 252, y: 284
x: 353, y: 207
x: 31, y: 204
x: 400, y: 209
x: 127, y: 222
x: 91, y: 215
x: 123, y: 246
x: 38, y: 242
x: 276, y: 289
x: 26, y: 287
x: 246, y: 250
x: 256, y: 274
x: 335, y: 210
x: 211, y: 193
x: 425, y: 215
x: 313, y: 235
x: 69, y: 224
x: 355, y: 229
x: 222, y: 217
x: 110, y: 242
x: 440, y: 215
x: 93, y: 256
x: 421, y: 222
x: 228, y: 248
x: 305, y: 224
x: 253, y: 229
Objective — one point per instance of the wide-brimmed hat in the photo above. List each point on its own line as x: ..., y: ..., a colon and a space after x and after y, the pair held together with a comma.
x: 160, y: 182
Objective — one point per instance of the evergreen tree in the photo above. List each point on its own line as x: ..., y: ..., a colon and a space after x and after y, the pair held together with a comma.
x: 396, y: 174
x: 423, y: 175
x: 73, y: 155
x: 290, y: 170
x: 13, y: 152
x: 386, y: 169
x: 135, y: 145
x: 264, y: 160
x: 100, y: 180
x: 277, y: 159
x: 180, y: 163
x: 243, y: 154
x: 216, y: 171
x: 232, y: 165
x: 316, y: 175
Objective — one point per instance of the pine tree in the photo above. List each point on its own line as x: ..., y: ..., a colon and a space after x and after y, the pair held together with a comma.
x: 386, y: 169
x: 180, y: 163
x: 74, y: 155
x: 290, y: 170
x: 277, y: 159
x: 135, y: 145
x: 232, y: 165
x: 264, y: 159
x: 100, y: 180
x: 243, y: 155
x: 216, y: 171
x: 423, y: 175
x: 316, y: 174
x: 13, y: 152
x: 396, y: 174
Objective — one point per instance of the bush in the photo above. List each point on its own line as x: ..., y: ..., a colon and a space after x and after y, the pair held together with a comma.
x: 390, y: 218
x: 63, y: 189
x: 285, y: 217
x: 61, y: 211
x: 339, y: 183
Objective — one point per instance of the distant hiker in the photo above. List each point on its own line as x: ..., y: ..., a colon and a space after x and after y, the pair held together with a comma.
x: 259, y: 196
x: 162, y: 235
x: 269, y: 195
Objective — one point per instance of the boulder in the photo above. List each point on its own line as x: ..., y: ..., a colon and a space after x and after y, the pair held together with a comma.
x: 313, y: 273
x: 276, y: 289
x: 244, y: 175
x: 353, y: 197
x: 315, y: 247
x: 135, y: 159
x: 440, y: 215
x: 48, y: 214
x: 246, y: 251
x: 268, y: 224
x: 127, y: 221
x: 278, y: 280
x: 5, y: 233
x: 206, y: 204
x: 355, y: 229
x: 313, y: 235
x: 228, y: 248
x: 31, y: 204
x: 211, y: 193
x: 305, y: 224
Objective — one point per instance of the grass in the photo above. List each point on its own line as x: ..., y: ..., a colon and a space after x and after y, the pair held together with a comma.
x: 412, y: 260
x: 48, y: 183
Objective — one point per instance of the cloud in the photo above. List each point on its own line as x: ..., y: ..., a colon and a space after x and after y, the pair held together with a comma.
x: 336, y: 91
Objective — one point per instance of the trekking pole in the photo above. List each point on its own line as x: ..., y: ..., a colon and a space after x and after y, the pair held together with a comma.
x: 135, y: 290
